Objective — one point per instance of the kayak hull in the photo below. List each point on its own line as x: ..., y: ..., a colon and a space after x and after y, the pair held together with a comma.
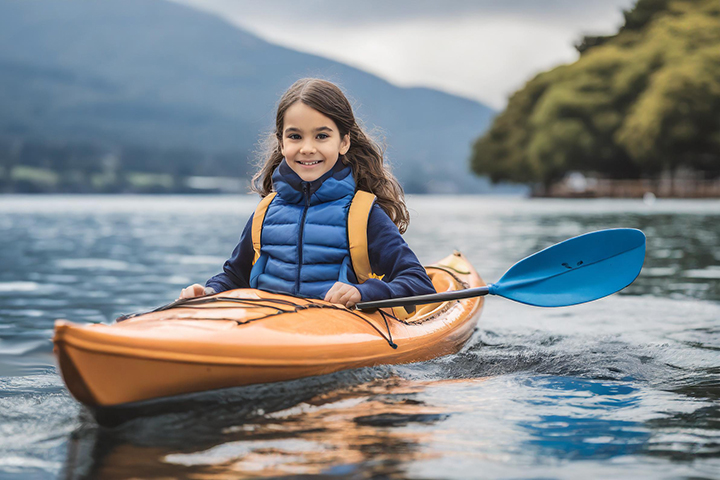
x: 246, y: 336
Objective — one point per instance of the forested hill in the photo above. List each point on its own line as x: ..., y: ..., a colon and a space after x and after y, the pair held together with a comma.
x: 168, y: 89
x: 641, y: 102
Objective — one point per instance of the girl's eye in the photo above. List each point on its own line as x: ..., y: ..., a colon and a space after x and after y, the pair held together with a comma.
x: 294, y: 136
x: 323, y: 136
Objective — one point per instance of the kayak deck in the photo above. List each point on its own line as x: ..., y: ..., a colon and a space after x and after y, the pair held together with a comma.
x: 246, y: 336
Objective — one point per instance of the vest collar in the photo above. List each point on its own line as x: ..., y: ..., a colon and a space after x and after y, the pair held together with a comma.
x: 336, y: 183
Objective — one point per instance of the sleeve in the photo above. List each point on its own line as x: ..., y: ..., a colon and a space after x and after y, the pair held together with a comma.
x: 391, y: 256
x: 236, y: 270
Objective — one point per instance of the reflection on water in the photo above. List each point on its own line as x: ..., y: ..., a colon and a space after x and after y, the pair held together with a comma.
x: 369, y: 426
x: 584, y: 435
x: 624, y: 387
x: 586, y: 438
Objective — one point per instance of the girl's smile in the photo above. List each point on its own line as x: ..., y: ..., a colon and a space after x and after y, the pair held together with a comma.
x: 311, y: 142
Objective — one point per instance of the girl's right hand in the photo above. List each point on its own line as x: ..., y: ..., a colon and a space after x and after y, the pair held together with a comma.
x: 195, y: 290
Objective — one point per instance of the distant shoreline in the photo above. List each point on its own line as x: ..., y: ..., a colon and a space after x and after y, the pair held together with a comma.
x: 578, y: 186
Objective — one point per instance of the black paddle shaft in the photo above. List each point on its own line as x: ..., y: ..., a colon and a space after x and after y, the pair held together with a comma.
x: 425, y: 299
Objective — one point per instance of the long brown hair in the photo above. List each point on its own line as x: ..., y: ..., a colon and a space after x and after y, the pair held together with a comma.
x: 365, y: 155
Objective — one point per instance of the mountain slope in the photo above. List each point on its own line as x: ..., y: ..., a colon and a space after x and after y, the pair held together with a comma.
x: 160, y: 75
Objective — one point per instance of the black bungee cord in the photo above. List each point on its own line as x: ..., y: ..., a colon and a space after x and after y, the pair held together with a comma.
x: 258, y: 303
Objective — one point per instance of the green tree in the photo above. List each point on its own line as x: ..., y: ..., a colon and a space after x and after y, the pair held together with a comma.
x: 634, y: 104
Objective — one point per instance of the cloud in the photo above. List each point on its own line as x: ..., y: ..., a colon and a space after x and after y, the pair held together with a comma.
x: 482, y: 49
x: 373, y: 12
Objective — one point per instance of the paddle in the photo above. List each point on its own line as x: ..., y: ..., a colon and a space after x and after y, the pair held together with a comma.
x: 578, y: 270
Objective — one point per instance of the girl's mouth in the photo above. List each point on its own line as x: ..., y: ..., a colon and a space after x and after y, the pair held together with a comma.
x: 309, y: 163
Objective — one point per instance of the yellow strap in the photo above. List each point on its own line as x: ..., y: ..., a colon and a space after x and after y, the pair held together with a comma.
x: 357, y: 234
x: 401, y: 313
x: 257, y: 223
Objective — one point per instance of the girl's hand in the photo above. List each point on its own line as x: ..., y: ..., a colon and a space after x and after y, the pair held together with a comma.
x: 343, y: 294
x: 195, y: 290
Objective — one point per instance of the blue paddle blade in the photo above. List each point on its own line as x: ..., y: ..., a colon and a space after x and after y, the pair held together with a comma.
x: 578, y: 270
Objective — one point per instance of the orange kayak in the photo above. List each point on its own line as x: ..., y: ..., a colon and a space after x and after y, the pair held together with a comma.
x: 246, y: 336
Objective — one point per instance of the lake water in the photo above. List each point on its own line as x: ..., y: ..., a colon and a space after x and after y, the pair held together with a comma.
x: 624, y: 387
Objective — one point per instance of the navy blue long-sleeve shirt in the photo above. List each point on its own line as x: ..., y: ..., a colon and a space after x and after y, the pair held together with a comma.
x: 389, y: 255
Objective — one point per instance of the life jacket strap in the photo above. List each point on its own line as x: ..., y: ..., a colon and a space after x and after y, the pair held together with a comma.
x: 358, y: 216
x: 257, y: 223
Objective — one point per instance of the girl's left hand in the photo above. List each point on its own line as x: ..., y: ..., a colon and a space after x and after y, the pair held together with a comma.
x: 343, y: 294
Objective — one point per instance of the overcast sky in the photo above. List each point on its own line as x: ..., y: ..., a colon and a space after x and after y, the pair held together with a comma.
x: 481, y: 49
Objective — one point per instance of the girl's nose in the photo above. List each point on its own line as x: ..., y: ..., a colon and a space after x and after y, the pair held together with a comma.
x: 307, y: 147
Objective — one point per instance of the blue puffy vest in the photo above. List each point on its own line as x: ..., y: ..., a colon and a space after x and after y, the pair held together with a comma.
x: 304, y: 245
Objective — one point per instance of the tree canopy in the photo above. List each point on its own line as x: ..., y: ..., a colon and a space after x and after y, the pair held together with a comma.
x: 634, y: 104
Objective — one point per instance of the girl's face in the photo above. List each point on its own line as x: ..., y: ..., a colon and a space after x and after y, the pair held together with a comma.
x: 311, y: 142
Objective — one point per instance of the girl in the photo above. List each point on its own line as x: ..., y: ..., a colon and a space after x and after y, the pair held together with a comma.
x: 311, y: 232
